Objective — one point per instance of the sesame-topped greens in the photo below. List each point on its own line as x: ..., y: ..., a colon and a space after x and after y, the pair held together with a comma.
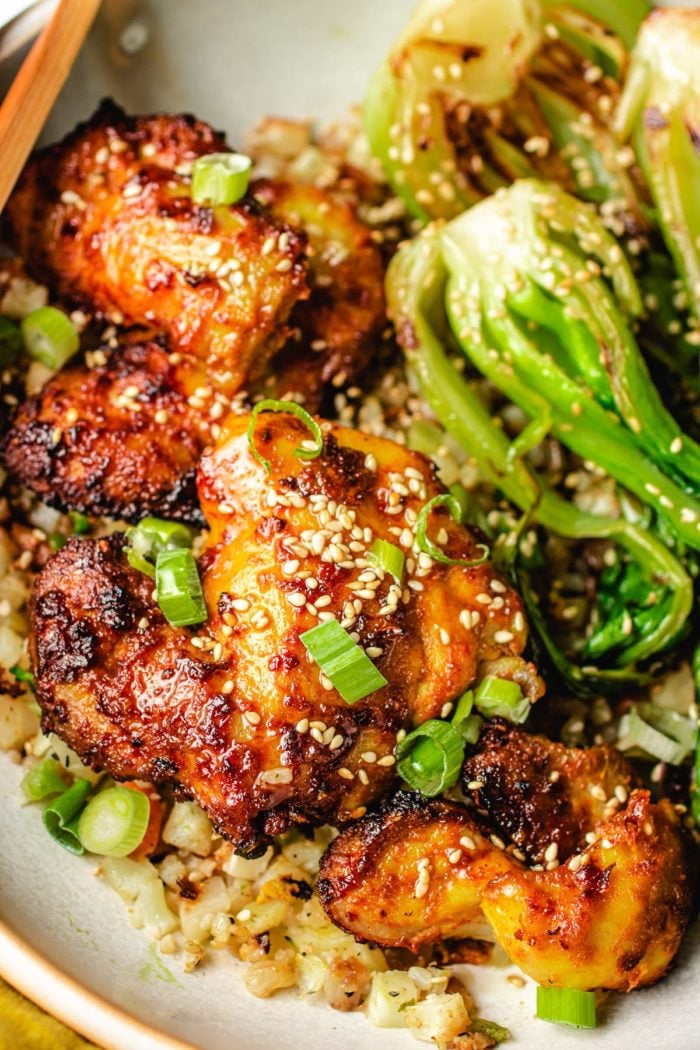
x: 428, y: 287
x: 466, y: 101
x: 659, y: 113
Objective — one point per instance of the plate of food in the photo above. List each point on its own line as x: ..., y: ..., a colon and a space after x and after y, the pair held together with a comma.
x: 349, y: 529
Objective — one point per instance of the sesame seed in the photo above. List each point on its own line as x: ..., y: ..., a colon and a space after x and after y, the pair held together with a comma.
x: 620, y: 794
x: 276, y: 776
x: 551, y: 852
x: 317, y: 735
x: 444, y: 636
x: 346, y: 774
x: 302, y: 726
x: 252, y: 717
x: 484, y: 599
x: 454, y: 856
x: 677, y: 444
x: 336, y: 741
x: 502, y: 637
x: 227, y: 687
x: 497, y: 842
x: 386, y: 761
x: 598, y: 792
x: 475, y: 785
x: 362, y: 777
x: 297, y: 599
x: 446, y: 709
x: 468, y: 842
x: 240, y: 604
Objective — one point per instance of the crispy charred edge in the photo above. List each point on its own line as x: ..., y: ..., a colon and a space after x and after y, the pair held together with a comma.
x: 518, y: 800
x: 177, y: 137
x: 354, y: 852
x: 64, y: 645
x: 665, y: 869
x: 70, y: 473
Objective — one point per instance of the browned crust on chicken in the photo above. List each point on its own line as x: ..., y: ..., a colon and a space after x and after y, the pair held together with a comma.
x: 533, y: 792
x: 118, y: 439
x: 106, y: 219
x: 339, y: 327
x: 611, y: 915
x: 237, y: 715
x: 370, y: 876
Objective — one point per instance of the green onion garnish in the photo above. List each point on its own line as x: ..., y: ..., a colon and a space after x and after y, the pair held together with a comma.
x: 220, y: 178
x: 494, y: 1031
x: 500, y: 698
x: 49, y: 336
x: 270, y: 405
x: 56, y: 541
x: 23, y: 676
x: 387, y: 557
x: 426, y: 545
x: 467, y: 724
x: 566, y: 1006
x: 114, y: 822
x: 430, y: 758
x: 345, y: 664
x: 61, y: 816
x: 80, y: 522
x: 43, y: 779
x: 179, y: 589
x: 10, y: 341
x: 664, y: 734
x: 150, y: 537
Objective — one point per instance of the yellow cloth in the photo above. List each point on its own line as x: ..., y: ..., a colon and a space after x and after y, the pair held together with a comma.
x: 23, y: 1026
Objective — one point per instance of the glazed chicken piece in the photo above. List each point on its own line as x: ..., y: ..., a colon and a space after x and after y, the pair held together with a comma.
x: 119, y: 438
x: 106, y: 218
x: 608, y: 914
x: 237, y: 715
x: 340, y: 324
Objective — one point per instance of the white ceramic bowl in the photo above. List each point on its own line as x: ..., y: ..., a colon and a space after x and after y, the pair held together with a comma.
x: 64, y: 936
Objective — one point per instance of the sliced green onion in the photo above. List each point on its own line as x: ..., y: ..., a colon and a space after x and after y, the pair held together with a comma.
x: 430, y: 758
x: 23, y: 676
x: 566, y: 1006
x: 270, y: 405
x: 220, y: 178
x: 664, y: 734
x: 470, y: 729
x: 494, y: 1031
x: 464, y: 708
x: 179, y: 589
x: 49, y: 336
x: 61, y: 816
x: 56, y: 541
x: 150, y: 537
x: 387, y: 557
x: 460, y: 494
x: 467, y: 724
x: 426, y: 545
x: 500, y: 698
x: 114, y: 822
x: 345, y: 664
x: 10, y: 341
x: 43, y: 779
x: 80, y: 522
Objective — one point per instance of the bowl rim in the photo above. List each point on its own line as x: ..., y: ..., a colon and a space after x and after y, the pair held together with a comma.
x: 108, y: 1026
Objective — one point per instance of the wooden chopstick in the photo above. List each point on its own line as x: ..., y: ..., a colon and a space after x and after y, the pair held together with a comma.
x: 35, y: 88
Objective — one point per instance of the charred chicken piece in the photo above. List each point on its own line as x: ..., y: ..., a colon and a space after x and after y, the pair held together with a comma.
x: 532, y: 792
x: 339, y: 326
x: 610, y: 914
x: 237, y: 715
x: 119, y: 439
x: 106, y: 218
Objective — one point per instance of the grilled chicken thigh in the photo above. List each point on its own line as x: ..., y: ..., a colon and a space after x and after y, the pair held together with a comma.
x: 237, y: 715
x: 106, y: 219
x: 606, y: 906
